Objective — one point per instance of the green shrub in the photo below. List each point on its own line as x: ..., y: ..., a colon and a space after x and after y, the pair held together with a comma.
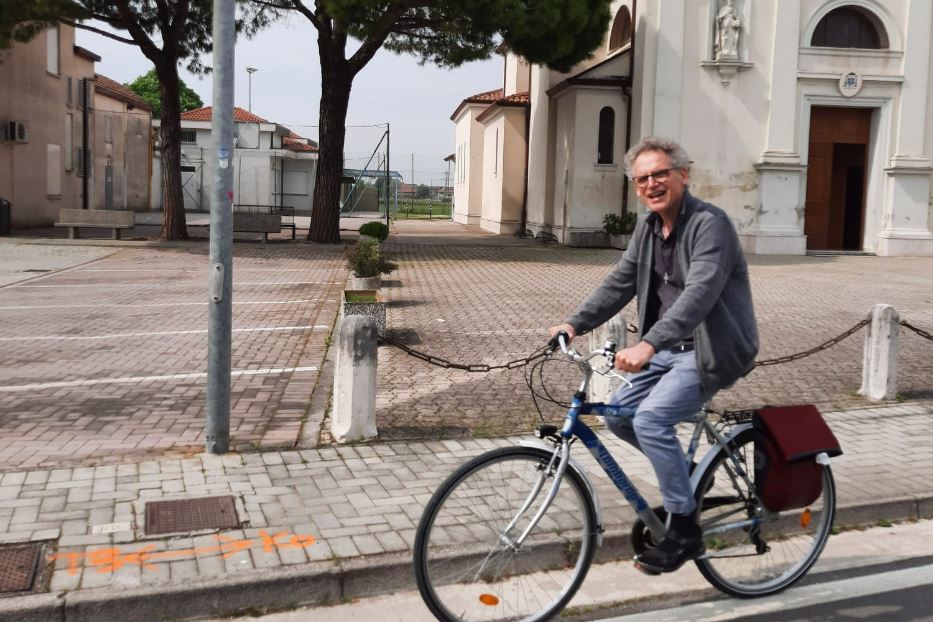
x: 375, y: 229
x: 367, y: 261
x: 614, y: 224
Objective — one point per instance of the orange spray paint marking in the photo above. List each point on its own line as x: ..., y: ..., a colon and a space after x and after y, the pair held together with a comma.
x: 488, y: 599
x: 805, y: 518
x: 112, y: 559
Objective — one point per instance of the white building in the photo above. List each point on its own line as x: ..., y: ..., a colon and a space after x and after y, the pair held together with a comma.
x: 807, y: 121
x: 272, y: 164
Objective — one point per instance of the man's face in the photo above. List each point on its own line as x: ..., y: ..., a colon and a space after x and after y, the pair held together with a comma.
x: 659, y: 186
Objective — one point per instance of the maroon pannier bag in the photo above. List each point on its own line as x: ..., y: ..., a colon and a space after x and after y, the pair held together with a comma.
x: 787, y: 475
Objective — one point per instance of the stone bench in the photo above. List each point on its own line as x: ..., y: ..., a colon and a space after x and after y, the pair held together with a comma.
x: 254, y: 222
x: 75, y: 219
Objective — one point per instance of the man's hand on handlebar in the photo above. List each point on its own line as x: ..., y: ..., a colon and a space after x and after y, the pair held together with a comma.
x: 635, y: 358
x: 555, y: 331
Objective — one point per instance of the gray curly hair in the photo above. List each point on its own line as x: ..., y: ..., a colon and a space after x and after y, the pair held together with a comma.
x: 677, y: 154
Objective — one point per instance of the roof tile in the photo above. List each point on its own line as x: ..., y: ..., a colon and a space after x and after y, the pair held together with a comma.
x: 206, y: 114
x: 112, y: 88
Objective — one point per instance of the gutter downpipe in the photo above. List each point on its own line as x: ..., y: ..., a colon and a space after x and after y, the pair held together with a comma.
x: 85, y: 139
x: 524, y: 224
x: 627, y: 93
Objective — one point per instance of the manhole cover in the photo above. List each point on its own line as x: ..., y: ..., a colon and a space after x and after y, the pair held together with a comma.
x: 190, y: 515
x: 18, y: 566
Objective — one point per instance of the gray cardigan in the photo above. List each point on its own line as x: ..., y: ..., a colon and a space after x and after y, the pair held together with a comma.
x: 715, y: 306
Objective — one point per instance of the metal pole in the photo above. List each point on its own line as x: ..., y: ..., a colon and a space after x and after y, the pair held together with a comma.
x: 220, y: 270
x: 250, y: 71
x: 387, y: 174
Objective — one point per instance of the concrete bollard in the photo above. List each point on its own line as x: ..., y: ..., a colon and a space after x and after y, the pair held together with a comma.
x: 354, y: 408
x: 601, y: 387
x: 879, y: 360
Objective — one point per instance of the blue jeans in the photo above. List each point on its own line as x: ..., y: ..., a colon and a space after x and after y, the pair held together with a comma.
x: 663, y: 395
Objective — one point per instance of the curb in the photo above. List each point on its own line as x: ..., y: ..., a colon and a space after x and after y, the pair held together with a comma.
x: 320, y: 583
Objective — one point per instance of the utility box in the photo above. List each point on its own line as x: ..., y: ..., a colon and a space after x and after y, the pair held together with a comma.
x: 5, y: 217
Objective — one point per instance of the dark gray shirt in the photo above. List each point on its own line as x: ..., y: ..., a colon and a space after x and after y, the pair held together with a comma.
x: 667, y: 279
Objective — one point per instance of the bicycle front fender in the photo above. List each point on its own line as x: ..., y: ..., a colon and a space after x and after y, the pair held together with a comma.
x: 586, y: 482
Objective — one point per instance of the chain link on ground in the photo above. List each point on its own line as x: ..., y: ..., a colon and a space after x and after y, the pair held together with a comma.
x: 483, y: 367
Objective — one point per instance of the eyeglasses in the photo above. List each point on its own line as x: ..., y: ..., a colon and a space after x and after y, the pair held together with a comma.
x: 660, y: 176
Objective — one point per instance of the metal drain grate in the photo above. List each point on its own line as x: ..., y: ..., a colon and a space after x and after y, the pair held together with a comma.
x: 190, y: 515
x: 18, y: 565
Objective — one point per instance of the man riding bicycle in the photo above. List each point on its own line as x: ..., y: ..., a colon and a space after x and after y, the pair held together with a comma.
x: 696, y: 322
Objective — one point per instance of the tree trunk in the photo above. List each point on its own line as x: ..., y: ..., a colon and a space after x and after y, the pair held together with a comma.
x: 336, y: 82
x: 173, y: 202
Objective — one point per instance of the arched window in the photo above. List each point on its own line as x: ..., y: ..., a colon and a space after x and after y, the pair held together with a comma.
x: 850, y: 27
x: 621, y: 32
x: 607, y: 131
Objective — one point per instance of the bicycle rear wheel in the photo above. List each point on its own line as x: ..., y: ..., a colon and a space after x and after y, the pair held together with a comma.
x: 751, y: 552
x: 466, y: 562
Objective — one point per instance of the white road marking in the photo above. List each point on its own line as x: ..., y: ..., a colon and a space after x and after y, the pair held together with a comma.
x: 162, y: 333
x: 38, y: 386
x: 159, y: 304
x: 809, y: 595
x: 168, y: 271
x: 163, y: 284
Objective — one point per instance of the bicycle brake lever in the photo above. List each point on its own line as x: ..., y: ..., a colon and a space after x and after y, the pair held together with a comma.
x: 612, y: 373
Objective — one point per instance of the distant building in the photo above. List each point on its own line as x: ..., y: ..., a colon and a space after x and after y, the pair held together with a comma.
x: 272, y: 164
x: 45, y: 86
x: 121, y: 148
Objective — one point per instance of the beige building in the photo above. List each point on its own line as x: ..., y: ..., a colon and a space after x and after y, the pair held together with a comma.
x: 121, y: 148
x: 807, y: 121
x: 43, y: 87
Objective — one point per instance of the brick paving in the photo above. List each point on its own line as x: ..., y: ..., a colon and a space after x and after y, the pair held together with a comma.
x: 333, y: 505
x: 490, y: 302
x: 94, y: 358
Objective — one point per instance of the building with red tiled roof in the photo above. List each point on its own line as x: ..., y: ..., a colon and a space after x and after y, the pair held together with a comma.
x: 272, y: 164
x: 542, y: 152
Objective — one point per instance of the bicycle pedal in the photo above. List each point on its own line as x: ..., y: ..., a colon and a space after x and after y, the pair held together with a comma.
x: 651, y: 571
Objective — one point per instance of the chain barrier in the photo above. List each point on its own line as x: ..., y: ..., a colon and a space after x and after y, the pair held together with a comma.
x: 475, y: 367
x: 919, y: 331
x: 482, y: 367
x: 823, y: 346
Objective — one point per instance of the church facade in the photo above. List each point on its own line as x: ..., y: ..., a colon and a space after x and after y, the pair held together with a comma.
x: 806, y: 120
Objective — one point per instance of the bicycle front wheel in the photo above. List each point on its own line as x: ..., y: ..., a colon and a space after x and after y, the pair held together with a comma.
x: 750, y: 551
x: 468, y: 563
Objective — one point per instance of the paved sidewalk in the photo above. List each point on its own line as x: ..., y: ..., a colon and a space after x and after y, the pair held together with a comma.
x: 326, y: 524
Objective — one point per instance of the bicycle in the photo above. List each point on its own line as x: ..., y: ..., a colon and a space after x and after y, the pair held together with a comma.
x: 511, y: 534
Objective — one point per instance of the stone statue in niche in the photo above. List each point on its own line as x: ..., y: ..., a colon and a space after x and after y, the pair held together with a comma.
x: 728, y: 27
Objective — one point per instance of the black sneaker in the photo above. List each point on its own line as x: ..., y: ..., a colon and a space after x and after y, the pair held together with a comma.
x: 672, y: 553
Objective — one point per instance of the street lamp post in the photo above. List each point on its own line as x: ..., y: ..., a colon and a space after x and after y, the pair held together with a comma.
x: 250, y: 71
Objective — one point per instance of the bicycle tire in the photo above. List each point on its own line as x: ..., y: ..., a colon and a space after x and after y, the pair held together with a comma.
x: 765, y: 559
x: 462, y: 568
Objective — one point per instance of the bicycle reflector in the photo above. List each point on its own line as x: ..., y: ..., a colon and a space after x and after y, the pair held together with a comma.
x: 488, y: 599
x: 805, y: 517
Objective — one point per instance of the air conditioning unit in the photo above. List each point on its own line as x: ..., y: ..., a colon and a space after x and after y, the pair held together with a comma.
x: 15, y: 132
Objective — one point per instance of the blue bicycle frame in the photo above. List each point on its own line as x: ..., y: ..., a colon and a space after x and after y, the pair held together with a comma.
x: 573, y: 426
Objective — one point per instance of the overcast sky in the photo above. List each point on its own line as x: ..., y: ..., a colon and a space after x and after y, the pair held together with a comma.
x: 416, y: 100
